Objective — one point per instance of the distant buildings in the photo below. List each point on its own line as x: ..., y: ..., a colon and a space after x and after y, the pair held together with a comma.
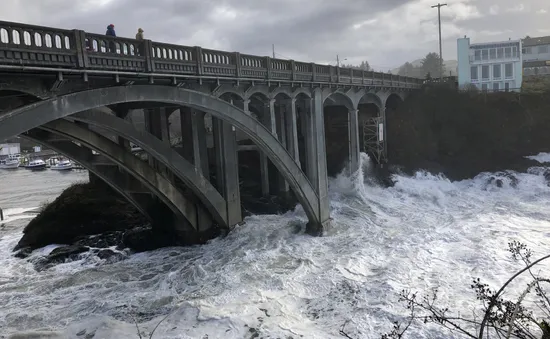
x: 490, y: 66
x: 536, y: 56
x: 8, y: 149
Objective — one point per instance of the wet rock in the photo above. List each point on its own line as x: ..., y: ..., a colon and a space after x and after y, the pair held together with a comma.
x: 110, y: 256
x: 142, y: 239
x: 23, y: 253
x: 66, y: 252
x: 104, y: 240
x: 546, y: 175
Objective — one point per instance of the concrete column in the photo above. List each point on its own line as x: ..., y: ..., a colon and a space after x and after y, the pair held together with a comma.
x: 268, y: 119
x: 319, y: 165
x: 227, y: 169
x: 186, y: 124
x: 383, y: 138
x: 156, y: 123
x: 121, y: 141
x: 200, y: 151
x: 310, y: 145
x: 283, y: 185
x: 272, y: 118
x: 292, y: 130
x: 353, y: 133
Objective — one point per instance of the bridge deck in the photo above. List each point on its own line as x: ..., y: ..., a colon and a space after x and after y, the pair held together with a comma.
x: 44, y: 49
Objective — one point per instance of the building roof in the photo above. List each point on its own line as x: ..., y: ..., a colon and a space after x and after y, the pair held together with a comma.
x: 543, y: 40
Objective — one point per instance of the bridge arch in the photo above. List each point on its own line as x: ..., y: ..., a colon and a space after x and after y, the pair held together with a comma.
x: 74, y: 152
x: 34, y: 115
x: 157, y: 184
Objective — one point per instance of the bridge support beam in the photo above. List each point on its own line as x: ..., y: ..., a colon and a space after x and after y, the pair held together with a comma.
x: 292, y: 130
x: 227, y: 169
x: 193, y: 137
x: 317, y: 165
x: 353, y: 134
x: 284, y: 188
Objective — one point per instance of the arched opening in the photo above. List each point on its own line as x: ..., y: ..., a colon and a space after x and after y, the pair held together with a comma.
x: 336, y: 114
x: 18, y: 122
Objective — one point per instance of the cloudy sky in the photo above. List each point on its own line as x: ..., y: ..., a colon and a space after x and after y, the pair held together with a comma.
x: 385, y: 32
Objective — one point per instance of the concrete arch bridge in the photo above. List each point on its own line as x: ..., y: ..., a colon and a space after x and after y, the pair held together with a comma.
x: 197, y: 114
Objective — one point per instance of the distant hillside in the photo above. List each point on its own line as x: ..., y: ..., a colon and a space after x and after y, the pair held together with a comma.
x: 450, y: 65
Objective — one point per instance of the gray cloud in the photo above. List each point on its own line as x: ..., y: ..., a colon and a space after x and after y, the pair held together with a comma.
x: 387, y: 33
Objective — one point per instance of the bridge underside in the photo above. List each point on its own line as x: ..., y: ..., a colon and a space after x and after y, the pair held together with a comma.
x: 196, y: 139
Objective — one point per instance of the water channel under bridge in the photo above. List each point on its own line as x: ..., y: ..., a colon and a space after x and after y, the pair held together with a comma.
x: 196, y: 114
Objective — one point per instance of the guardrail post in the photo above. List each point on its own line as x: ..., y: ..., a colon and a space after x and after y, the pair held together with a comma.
x: 269, y: 67
x: 238, y: 64
x: 148, y: 51
x: 313, y: 72
x: 80, y: 46
x: 198, y: 58
x: 293, y: 70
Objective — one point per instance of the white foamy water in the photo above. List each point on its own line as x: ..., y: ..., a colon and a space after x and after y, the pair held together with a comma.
x: 542, y: 157
x: 267, y: 277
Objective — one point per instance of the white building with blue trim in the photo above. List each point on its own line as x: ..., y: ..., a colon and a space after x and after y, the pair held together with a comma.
x: 490, y: 66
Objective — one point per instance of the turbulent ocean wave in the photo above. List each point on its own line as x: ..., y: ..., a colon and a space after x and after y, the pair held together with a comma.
x: 267, y: 279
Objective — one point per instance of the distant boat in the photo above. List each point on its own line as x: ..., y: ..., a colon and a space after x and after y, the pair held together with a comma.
x: 9, y: 163
x: 62, y: 165
x: 36, y: 164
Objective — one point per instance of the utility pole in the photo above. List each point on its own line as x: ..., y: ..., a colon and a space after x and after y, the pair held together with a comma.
x: 337, y: 61
x: 273, y: 46
x: 440, y: 49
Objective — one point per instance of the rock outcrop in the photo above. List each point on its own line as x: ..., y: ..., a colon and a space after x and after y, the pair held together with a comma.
x: 464, y: 133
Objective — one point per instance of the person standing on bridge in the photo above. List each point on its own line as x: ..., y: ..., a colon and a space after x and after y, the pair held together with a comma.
x: 111, y: 32
x: 139, y: 38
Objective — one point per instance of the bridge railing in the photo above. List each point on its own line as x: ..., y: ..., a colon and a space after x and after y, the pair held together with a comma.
x: 36, y: 46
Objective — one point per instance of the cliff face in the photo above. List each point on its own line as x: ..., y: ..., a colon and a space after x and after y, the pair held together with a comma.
x: 463, y: 134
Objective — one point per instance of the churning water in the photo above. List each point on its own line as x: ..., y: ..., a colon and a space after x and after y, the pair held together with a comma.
x: 267, y: 279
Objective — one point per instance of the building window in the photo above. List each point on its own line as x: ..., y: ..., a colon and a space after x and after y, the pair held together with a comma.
x: 493, y: 53
x: 508, y: 52
x: 508, y: 70
x: 527, y: 50
x: 484, y: 87
x: 477, y: 54
x: 506, y: 86
x: 500, y: 53
x: 485, y: 72
x: 543, y: 49
x: 496, y: 72
x: 473, y: 72
x: 496, y: 86
x: 484, y: 54
x: 515, y: 52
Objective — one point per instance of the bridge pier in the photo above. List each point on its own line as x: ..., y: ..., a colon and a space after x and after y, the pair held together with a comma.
x: 284, y: 188
x: 317, y: 165
x: 227, y: 169
x: 353, y: 135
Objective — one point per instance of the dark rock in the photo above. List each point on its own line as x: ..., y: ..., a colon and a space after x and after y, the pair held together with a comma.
x: 104, y: 240
x: 81, y: 210
x: 23, y: 253
x: 110, y: 256
x: 142, y: 239
x: 66, y: 252
x: 463, y: 134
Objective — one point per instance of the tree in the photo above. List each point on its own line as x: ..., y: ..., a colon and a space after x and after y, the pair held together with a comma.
x: 364, y: 66
x: 430, y: 64
x: 406, y: 70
